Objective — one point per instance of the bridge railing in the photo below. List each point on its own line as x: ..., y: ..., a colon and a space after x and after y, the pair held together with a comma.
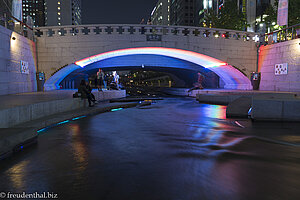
x: 286, y: 34
x: 154, y: 32
x: 12, y: 23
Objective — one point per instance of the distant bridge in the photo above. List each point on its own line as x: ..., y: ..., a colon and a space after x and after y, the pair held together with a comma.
x: 230, y: 54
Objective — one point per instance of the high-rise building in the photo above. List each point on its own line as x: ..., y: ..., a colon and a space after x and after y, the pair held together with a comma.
x: 36, y: 10
x: 62, y: 12
x: 202, y: 6
x: 5, y: 11
x: 261, y: 6
x: 182, y: 12
x: 161, y: 13
x: 11, y: 14
x: 192, y: 12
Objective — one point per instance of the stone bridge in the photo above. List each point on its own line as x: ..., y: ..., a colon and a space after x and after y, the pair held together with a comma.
x: 228, y: 53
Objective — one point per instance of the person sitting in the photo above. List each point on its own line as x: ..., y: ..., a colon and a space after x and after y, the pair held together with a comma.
x: 82, y: 89
x: 89, y: 88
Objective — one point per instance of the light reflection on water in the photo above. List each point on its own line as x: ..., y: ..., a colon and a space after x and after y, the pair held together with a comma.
x: 209, y: 126
x: 17, y: 174
x: 214, y: 111
x: 79, y: 147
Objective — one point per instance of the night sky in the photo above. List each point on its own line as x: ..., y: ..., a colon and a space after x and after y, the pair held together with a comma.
x: 116, y: 11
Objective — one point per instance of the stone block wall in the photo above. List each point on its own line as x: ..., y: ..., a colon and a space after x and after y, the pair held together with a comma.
x: 58, y: 49
x: 12, y: 52
x: 284, y: 52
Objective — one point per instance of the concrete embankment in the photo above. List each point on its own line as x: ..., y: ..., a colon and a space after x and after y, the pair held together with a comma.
x: 265, y: 105
x: 21, y: 108
x: 21, y: 120
x: 267, y: 109
x: 15, y: 139
x: 259, y: 105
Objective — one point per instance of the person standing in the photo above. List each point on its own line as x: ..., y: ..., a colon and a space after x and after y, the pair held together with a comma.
x: 116, y: 79
x: 104, y: 80
x: 100, y: 79
x: 198, y: 84
x: 200, y: 80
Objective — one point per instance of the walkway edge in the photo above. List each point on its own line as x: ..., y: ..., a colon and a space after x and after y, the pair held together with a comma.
x: 26, y: 133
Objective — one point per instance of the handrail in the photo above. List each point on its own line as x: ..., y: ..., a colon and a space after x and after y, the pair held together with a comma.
x: 22, y: 23
x: 286, y: 34
x: 283, y: 29
x: 26, y: 33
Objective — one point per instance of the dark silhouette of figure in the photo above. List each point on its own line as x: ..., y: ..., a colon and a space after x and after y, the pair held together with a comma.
x: 198, y: 84
x: 89, y: 88
x: 82, y: 89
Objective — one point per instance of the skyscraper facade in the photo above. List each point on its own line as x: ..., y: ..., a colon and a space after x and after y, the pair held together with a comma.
x: 161, y: 13
x: 36, y: 10
x: 192, y: 12
x: 62, y: 12
x: 182, y: 12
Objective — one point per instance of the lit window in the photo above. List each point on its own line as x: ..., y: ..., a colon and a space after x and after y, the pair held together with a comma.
x: 58, y: 13
x: 58, y: 8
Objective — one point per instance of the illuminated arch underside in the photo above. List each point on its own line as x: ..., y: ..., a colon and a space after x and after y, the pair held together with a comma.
x: 232, y: 78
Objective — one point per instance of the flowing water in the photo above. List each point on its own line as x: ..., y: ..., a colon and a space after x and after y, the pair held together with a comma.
x: 175, y: 149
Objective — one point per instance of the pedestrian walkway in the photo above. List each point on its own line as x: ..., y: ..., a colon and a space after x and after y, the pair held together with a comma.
x: 23, y: 116
x: 14, y: 100
x: 20, y: 108
x: 194, y: 93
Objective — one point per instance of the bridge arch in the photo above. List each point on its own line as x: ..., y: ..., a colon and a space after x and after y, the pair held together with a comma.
x: 232, y: 78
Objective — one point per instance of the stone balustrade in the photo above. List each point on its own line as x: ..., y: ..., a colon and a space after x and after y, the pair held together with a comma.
x: 59, y: 31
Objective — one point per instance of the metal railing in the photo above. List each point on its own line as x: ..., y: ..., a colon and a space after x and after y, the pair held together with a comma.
x: 17, y: 26
x: 141, y: 29
x: 286, y: 34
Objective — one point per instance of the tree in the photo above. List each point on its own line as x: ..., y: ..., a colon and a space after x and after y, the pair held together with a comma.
x: 294, y: 13
x: 271, y: 13
x: 228, y: 17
